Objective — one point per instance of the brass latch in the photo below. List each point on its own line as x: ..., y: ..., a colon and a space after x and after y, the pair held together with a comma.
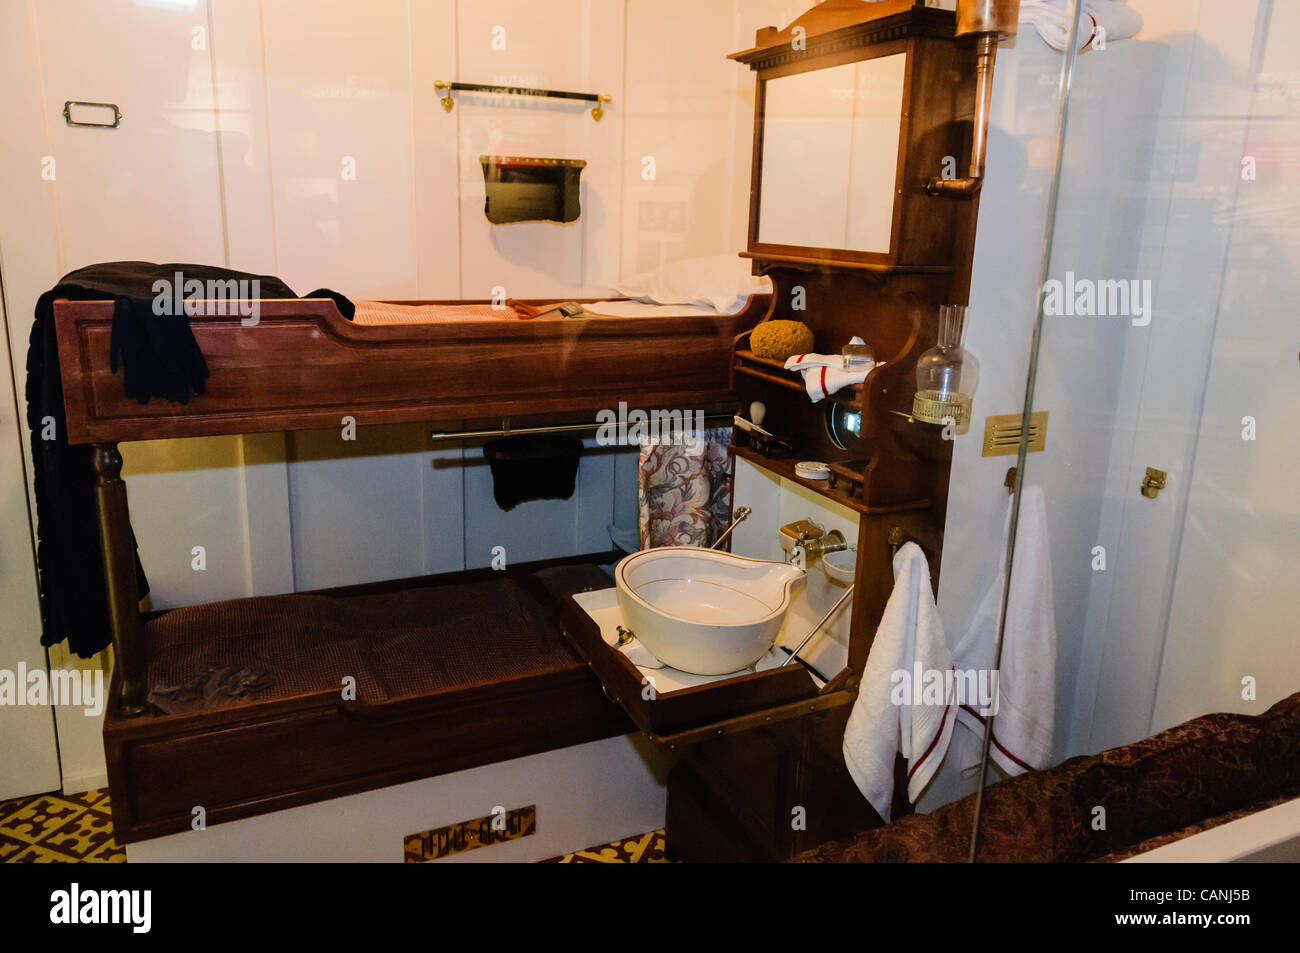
x: 1153, y: 482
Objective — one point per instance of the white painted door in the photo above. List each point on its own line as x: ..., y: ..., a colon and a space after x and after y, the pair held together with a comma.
x: 29, y: 757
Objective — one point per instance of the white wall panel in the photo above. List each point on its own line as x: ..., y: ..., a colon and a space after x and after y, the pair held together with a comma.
x: 239, y: 83
x: 1235, y: 600
x: 539, y: 529
x: 436, y: 143
x: 148, y: 190
x: 338, y: 89
x: 357, y: 506
x: 680, y: 118
x: 1192, y: 189
x: 183, y: 494
x: 572, y: 45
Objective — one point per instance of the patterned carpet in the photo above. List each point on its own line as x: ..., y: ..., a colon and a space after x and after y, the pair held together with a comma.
x: 58, y: 828
x: 78, y: 828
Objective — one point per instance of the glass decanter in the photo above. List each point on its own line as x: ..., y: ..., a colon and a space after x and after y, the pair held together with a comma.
x: 947, y: 374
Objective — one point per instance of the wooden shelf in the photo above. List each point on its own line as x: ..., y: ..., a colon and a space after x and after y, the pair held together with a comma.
x: 773, y: 372
x: 783, y: 467
x: 814, y: 262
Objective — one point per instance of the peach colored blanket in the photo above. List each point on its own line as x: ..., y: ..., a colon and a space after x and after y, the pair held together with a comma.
x: 386, y: 312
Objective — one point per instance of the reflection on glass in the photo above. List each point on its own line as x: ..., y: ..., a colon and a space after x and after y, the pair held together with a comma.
x: 844, y: 425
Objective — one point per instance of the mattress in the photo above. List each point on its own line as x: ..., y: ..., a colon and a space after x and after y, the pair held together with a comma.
x: 373, y: 313
x: 406, y: 642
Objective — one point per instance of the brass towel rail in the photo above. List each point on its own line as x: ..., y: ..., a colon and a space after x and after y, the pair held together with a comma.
x: 597, y: 111
x: 505, y: 430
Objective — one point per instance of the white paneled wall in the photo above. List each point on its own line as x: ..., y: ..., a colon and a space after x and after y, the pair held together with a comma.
x: 304, y: 139
x: 562, y: 44
x: 300, y: 139
x: 340, y: 127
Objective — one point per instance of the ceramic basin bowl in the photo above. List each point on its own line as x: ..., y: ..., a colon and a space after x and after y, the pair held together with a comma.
x: 701, y: 611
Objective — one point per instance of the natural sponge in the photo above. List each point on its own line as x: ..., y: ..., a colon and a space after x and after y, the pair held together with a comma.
x: 780, y: 339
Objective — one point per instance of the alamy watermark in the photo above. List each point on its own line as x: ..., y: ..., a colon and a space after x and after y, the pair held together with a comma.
x: 1129, y: 298
x: 63, y: 687
x: 133, y: 908
x: 214, y: 298
x: 973, y: 688
x: 664, y: 427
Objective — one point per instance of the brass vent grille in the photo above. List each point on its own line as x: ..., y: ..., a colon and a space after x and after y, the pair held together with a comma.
x: 1002, y: 433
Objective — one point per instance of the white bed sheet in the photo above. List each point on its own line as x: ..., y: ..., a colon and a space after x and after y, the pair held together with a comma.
x: 641, y: 309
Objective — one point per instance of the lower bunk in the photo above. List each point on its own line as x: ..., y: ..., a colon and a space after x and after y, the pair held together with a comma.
x: 261, y: 704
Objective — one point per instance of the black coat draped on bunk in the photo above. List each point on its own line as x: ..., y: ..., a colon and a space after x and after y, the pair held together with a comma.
x: 159, y: 358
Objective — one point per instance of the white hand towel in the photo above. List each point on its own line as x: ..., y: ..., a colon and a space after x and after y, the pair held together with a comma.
x: 1113, y: 19
x: 824, y: 374
x: 1025, y: 700
x: 909, y: 650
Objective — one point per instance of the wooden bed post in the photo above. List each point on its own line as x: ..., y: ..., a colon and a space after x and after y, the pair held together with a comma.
x: 118, y: 548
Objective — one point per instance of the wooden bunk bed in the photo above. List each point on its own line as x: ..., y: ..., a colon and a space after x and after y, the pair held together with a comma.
x: 240, y: 707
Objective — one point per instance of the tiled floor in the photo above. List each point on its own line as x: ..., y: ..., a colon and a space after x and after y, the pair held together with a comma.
x: 58, y: 828
x: 77, y: 828
x: 643, y: 849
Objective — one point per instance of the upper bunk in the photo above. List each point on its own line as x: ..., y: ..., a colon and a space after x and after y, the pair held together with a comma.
x: 304, y: 366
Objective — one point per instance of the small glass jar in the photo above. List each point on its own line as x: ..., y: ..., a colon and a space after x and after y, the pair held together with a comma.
x: 947, y: 375
x: 857, y: 356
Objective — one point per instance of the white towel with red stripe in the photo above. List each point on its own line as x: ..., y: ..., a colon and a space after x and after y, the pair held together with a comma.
x: 824, y: 374
x: 1100, y: 21
x: 906, y: 699
x: 1025, y: 706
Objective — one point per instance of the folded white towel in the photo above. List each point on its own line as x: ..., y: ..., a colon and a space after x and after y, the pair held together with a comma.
x: 824, y: 374
x: 1111, y: 19
x: 909, y: 650
x: 1025, y: 704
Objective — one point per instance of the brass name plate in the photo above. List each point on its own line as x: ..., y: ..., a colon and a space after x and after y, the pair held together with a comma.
x: 496, y: 828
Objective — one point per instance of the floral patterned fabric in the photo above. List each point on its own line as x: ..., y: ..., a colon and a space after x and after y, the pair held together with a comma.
x: 684, y: 491
x: 1193, y: 776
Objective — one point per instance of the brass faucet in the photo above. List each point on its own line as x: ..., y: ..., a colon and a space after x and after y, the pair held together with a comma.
x: 812, y: 540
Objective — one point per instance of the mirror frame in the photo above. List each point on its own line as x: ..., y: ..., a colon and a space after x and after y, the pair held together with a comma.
x: 778, y: 250
x: 938, y: 106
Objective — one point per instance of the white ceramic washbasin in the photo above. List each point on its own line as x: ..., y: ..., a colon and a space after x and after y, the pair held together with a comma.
x: 701, y: 611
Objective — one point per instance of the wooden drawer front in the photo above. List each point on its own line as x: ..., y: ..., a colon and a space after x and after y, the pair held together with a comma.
x: 259, y: 764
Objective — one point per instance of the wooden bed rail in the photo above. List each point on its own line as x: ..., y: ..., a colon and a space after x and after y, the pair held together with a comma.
x: 302, y: 366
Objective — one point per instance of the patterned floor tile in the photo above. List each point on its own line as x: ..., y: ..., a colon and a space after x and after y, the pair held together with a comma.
x: 59, y: 828
x: 80, y: 837
x: 40, y: 816
x: 110, y: 853
x: 78, y: 828
x: 643, y: 849
x: 36, y: 854
x: 11, y: 847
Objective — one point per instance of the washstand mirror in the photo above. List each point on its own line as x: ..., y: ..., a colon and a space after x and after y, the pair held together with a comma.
x: 858, y: 107
x: 829, y: 156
